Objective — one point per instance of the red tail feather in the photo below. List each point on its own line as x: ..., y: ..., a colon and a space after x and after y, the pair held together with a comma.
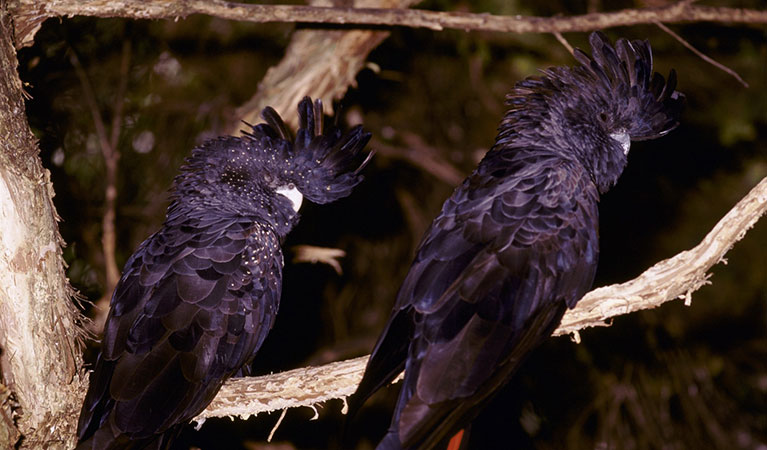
x: 455, y: 441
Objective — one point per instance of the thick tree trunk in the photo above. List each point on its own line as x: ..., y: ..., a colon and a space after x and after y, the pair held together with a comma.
x: 40, y: 360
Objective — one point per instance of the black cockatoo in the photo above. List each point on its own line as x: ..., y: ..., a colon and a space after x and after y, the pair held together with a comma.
x: 517, y: 243
x: 197, y: 298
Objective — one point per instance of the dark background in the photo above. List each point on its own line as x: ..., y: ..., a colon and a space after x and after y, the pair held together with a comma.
x: 675, y: 377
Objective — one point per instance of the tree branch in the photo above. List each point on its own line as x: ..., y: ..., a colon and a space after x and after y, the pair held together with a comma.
x: 674, y: 278
x: 318, y: 62
x: 313, y: 255
x: 436, y: 20
x: 421, y: 155
x: 111, y: 155
x: 701, y: 55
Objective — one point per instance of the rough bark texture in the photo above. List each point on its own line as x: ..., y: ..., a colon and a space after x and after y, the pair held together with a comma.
x: 370, y: 13
x: 307, y: 386
x: 9, y: 434
x: 39, y: 331
x: 674, y: 278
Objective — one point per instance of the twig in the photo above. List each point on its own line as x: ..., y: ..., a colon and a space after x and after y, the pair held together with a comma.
x: 667, y: 280
x: 107, y: 224
x: 423, y: 156
x: 276, y: 425
x: 90, y: 100
x: 111, y: 157
x: 435, y: 20
x: 701, y: 54
x: 117, y: 119
x: 563, y: 41
x: 313, y: 254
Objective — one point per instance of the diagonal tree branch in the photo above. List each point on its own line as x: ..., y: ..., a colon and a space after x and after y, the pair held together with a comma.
x: 111, y: 156
x: 674, y: 278
x: 322, y: 63
x: 683, y: 11
x: 701, y: 55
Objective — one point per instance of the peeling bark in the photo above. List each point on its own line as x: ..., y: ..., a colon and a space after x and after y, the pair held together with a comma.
x: 9, y: 434
x: 39, y: 325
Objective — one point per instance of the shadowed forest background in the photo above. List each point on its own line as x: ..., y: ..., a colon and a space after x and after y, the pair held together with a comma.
x: 674, y: 377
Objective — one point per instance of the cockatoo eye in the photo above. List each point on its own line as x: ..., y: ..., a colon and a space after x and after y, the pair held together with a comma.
x: 291, y: 192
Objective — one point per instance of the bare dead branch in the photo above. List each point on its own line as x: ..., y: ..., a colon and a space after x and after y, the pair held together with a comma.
x: 117, y: 119
x: 674, y: 278
x: 111, y: 158
x: 90, y: 99
x: 162, y: 9
x: 307, y: 386
x: 700, y: 54
x: 564, y: 42
x: 422, y: 156
x: 319, y: 63
x: 111, y: 155
x: 276, y: 425
x: 314, y: 255
x: 322, y: 63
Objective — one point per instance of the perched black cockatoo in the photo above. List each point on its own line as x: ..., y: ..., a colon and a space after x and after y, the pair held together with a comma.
x: 517, y: 243
x: 197, y: 298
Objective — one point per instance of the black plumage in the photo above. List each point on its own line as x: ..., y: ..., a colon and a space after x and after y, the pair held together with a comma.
x: 517, y: 243
x: 197, y: 298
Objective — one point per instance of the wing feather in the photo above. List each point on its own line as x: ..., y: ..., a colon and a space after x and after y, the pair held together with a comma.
x: 509, y: 246
x: 184, y: 318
